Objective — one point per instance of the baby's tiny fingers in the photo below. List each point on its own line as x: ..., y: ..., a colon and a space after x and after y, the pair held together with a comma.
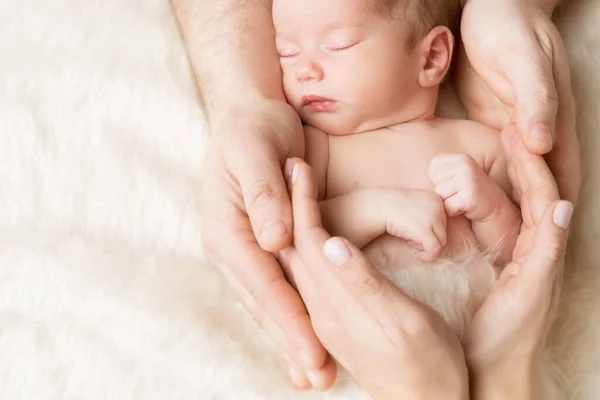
x: 439, y: 230
x: 432, y: 247
x: 415, y: 244
x: 455, y: 205
x: 446, y: 188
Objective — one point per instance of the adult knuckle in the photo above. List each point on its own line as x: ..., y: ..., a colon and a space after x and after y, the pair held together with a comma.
x: 369, y: 285
x: 546, y: 40
x: 545, y: 93
x: 417, y: 326
x: 555, y: 252
x: 260, y: 193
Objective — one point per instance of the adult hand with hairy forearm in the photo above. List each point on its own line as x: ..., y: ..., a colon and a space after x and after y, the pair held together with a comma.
x: 253, y: 131
x: 513, y: 67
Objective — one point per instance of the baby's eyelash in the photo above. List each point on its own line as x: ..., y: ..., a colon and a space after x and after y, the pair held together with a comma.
x: 344, y: 48
x: 287, y: 56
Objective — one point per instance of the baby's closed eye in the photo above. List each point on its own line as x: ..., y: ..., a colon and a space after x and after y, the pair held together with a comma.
x: 288, y: 53
x: 342, y: 45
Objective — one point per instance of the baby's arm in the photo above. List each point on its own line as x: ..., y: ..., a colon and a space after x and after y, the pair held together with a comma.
x: 467, y: 189
x: 417, y: 216
x: 414, y: 215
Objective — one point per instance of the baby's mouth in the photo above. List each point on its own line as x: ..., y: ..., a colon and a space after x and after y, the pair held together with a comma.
x: 318, y: 103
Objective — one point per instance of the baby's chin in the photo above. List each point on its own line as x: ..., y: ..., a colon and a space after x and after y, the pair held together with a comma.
x: 454, y: 288
x: 333, y: 123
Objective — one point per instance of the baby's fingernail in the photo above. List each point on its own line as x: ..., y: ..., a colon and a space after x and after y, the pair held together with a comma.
x: 287, y: 168
x: 541, y: 134
x: 336, y: 250
x: 563, y: 213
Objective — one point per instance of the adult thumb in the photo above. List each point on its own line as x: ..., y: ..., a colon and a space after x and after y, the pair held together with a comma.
x: 536, y: 99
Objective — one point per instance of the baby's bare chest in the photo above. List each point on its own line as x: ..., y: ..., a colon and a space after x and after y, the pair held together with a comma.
x: 390, y: 161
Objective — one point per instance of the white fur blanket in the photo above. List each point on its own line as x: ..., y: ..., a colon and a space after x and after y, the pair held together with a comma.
x: 104, y: 293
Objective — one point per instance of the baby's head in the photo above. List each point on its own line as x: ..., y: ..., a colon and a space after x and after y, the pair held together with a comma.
x: 356, y: 65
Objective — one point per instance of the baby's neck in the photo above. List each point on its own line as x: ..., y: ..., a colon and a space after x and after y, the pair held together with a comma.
x: 407, y: 116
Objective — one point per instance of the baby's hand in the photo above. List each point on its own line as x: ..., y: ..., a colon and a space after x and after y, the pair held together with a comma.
x: 418, y: 216
x: 464, y: 186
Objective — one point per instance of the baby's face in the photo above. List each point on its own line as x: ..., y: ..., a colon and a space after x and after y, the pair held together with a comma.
x: 346, y: 69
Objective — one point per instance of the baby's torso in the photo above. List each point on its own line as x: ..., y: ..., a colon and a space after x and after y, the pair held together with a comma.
x: 399, y: 158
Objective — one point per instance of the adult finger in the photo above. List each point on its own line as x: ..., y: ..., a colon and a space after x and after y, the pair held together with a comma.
x: 535, y: 181
x: 258, y: 171
x: 334, y: 263
x: 564, y: 159
x: 304, y: 196
x: 540, y: 268
x: 255, y: 275
x: 532, y: 81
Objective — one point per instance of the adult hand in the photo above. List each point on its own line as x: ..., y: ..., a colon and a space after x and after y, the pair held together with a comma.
x: 513, y: 67
x: 394, y: 346
x: 508, y: 332
x: 248, y: 210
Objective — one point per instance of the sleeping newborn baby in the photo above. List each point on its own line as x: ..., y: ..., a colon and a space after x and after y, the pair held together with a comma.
x: 425, y: 197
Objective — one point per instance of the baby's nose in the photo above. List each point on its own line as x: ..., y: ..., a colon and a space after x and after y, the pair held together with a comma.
x: 308, y: 70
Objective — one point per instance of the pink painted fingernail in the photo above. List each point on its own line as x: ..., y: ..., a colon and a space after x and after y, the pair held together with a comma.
x: 337, y: 252
x: 294, y: 374
x: 563, y: 213
x: 287, y: 168
x: 294, y: 173
x: 313, y: 378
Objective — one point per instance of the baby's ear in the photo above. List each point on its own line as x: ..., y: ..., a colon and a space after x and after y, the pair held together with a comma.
x: 436, y: 56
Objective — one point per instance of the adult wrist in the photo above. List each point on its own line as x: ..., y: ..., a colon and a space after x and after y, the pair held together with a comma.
x: 517, y: 380
x: 238, y: 109
x: 456, y: 387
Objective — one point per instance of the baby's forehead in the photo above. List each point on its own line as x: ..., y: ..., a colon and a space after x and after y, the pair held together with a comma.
x: 320, y: 17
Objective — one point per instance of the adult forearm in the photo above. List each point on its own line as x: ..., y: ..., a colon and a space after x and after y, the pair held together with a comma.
x: 231, y: 47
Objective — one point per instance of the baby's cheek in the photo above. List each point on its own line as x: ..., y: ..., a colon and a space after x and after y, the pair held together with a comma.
x: 288, y: 87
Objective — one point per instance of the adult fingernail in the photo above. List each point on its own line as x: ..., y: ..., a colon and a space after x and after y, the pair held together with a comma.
x: 307, y: 359
x: 287, y: 168
x: 273, y: 231
x: 541, y: 134
x: 336, y: 251
x: 295, y: 375
x: 563, y: 213
x: 283, y: 255
x: 294, y: 173
x: 313, y: 377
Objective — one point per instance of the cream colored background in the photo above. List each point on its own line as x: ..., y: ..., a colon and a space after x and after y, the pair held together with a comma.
x: 103, y: 290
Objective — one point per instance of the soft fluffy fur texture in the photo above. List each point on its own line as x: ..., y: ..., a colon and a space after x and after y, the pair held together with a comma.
x: 104, y: 291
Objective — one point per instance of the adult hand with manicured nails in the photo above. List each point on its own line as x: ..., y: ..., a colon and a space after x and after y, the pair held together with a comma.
x: 399, y: 348
x: 396, y: 347
x: 504, y: 340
